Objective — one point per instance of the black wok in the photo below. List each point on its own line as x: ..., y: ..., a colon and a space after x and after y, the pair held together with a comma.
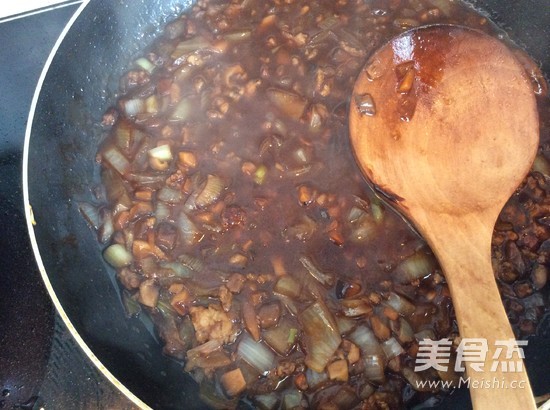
x: 62, y: 138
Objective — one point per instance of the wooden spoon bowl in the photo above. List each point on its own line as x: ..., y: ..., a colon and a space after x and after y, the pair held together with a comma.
x: 444, y: 120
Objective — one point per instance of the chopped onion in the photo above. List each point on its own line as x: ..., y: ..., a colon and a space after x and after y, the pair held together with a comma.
x: 147, y: 180
x: 144, y: 63
x: 402, y: 330
x: 324, y: 278
x: 366, y: 340
x: 330, y: 22
x: 214, y: 360
x: 392, y: 348
x: 322, y: 335
x: 116, y: 160
x: 279, y: 337
x: 541, y: 165
x: 302, y: 230
x: 302, y: 156
x: 374, y: 368
x: 364, y: 228
x: 162, y: 211
x: 90, y: 214
x: 160, y: 157
x: 315, y: 379
x: 400, y: 304
x: 191, y: 262
x: 211, y: 191
x: 182, y: 111
x: 238, y: 35
x: 377, y: 210
x: 123, y: 135
x: 266, y: 401
x: 197, y: 356
x: 143, y: 249
x: 255, y: 353
x: 288, y: 286
x: 162, y: 152
x: 115, y: 189
x: 289, y: 103
x: 134, y: 107
x: 317, y: 115
x: 178, y: 268
x: 169, y: 195
x: 189, y: 232
x: 106, y: 228
x: 205, y: 349
x: 117, y: 256
x: 292, y: 400
x: 417, y: 266
x: 345, y: 324
x: 189, y: 46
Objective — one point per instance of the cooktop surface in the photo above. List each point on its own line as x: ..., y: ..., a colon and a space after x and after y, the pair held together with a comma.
x: 40, y: 364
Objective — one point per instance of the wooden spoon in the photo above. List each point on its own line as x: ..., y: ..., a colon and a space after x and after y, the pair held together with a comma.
x: 444, y: 120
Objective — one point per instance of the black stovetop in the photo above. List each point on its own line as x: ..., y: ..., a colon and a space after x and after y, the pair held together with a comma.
x: 40, y: 364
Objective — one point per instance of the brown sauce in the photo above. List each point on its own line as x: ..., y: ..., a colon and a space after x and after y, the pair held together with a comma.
x: 234, y: 209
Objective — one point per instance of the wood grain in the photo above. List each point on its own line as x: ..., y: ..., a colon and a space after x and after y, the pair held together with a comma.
x: 453, y: 149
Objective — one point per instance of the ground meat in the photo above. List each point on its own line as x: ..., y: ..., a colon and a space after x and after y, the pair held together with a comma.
x: 212, y: 323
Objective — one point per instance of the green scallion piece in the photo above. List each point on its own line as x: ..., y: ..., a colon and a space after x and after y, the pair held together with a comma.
x: 292, y: 333
x: 260, y: 174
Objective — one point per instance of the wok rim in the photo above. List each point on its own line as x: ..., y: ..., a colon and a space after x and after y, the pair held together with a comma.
x: 29, y: 218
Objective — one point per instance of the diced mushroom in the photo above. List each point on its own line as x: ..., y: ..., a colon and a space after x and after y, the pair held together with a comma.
x: 233, y: 382
x: 269, y: 314
x: 338, y: 371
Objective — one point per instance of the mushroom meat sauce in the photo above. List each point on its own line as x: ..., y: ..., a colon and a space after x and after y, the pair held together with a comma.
x: 235, y: 216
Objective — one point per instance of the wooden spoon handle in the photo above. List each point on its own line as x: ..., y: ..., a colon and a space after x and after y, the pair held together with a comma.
x: 463, y: 248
